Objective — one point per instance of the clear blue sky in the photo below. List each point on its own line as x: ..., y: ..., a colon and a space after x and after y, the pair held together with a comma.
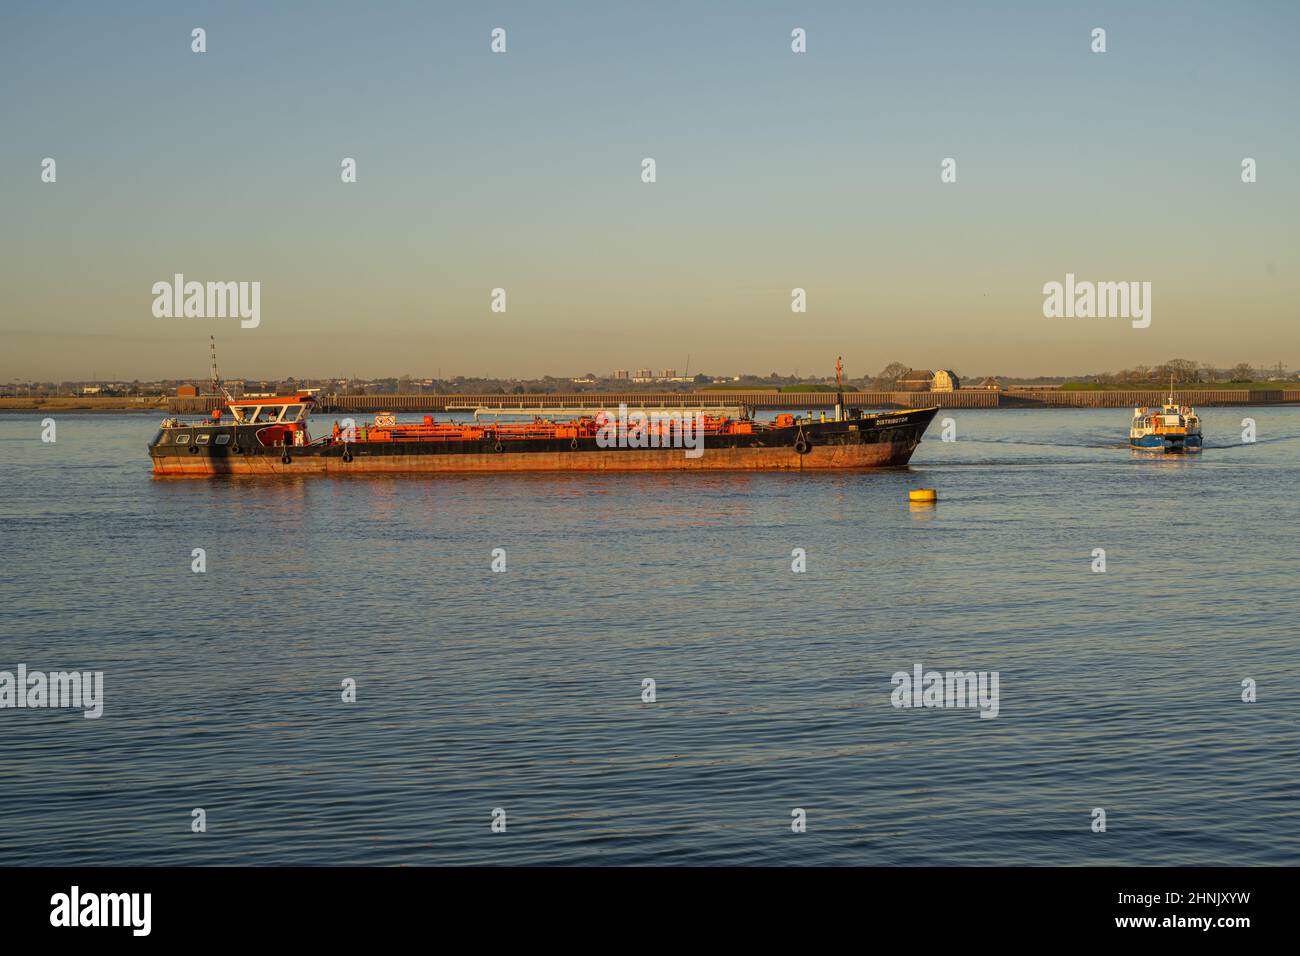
x: 522, y: 171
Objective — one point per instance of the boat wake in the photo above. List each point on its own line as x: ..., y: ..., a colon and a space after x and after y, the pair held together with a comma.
x: 1099, y: 443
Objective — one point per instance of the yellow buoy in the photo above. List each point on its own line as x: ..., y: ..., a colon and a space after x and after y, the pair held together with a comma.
x: 923, y: 494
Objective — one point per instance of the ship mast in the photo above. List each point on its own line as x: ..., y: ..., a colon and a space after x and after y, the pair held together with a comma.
x: 839, y: 388
x: 216, y: 379
x: 217, y: 388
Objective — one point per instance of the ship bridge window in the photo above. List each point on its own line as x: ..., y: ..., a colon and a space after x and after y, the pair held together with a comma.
x: 241, y: 413
x: 293, y: 413
x: 269, y: 413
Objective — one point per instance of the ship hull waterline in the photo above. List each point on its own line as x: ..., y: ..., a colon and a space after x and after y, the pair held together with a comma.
x: 1173, y: 446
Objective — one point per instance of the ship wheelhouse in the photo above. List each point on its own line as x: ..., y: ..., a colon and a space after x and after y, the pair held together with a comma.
x: 281, y: 420
x: 270, y: 412
x: 269, y: 422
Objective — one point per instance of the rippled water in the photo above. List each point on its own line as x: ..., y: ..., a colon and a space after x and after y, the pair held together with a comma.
x: 522, y: 690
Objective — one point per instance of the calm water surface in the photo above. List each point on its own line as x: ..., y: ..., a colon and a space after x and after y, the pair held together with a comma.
x: 522, y: 690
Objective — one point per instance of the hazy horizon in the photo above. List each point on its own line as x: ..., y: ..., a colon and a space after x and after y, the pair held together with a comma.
x: 199, y: 371
x: 522, y: 171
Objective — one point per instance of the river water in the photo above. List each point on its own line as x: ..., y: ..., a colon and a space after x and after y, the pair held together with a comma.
x: 522, y: 690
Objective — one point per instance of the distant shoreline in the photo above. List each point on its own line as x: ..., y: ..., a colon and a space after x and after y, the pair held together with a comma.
x: 759, y: 400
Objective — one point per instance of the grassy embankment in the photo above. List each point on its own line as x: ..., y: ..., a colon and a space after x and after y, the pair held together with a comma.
x: 1067, y: 387
x: 771, y: 388
x: 89, y: 403
x: 1158, y: 386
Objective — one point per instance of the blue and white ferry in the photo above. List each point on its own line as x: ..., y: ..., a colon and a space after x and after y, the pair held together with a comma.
x: 1169, y: 428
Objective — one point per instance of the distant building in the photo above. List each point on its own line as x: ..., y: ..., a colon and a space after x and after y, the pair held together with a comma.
x: 916, y: 380
x: 669, y: 373
x: 945, y: 380
x: 645, y: 373
x: 621, y: 374
x: 186, y: 391
x: 991, y: 384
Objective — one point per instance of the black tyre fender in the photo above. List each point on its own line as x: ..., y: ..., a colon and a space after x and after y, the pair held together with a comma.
x: 285, y: 459
x: 498, y: 447
x: 194, y: 449
x: 802, y: 445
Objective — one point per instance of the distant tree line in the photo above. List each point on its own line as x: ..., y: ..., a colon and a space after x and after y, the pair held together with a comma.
x: 1187, y: 372
x: 1182, y: 371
